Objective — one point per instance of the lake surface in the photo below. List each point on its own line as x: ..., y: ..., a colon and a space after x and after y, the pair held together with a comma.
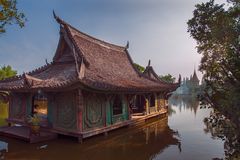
x: 179, y: 136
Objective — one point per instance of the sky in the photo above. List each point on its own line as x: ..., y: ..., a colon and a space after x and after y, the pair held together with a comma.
x: 155, y: 29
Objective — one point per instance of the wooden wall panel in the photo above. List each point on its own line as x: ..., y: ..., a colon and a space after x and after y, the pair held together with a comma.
x: 51, y: 105
x: 94, y: 111
x: 28, y: 104
x: 17, y: 106
x: 64, y: 111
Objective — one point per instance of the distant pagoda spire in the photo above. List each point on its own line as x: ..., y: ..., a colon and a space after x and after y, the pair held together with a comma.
x: 194, y: 77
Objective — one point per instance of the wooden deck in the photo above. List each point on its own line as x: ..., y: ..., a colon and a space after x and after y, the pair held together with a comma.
x: 23, y: 133
x: 139, y: 119
x: 135, y: 120
x: 97, y: 131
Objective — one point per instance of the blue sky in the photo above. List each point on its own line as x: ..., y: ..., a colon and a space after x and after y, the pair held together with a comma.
x: 156, y: 30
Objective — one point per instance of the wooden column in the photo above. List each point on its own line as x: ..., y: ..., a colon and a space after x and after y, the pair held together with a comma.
x: 80, y: 110
x: 156, y: 102
x: 24, y: 107
x: 10, y: 107
x: 147, y: 104
x: 108, y: 110
x: 128, y: 97
x: 165, y: 99
x: 162, y: 101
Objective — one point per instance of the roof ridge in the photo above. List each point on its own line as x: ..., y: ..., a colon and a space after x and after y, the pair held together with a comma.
x: 60, y: 21
x: 27, y: 76
x: 131, y: 62
x: 150, y: 68
x: 95, y: 40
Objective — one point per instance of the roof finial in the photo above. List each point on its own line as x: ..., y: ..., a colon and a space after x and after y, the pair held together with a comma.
x: 46, y: 61
x: 54, y: 15
x: 57, y: 18
x: 127, y: 45
x: 149, y: 62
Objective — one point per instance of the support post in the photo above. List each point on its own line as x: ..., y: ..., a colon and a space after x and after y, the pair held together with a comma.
x: 156, y: 102
x: 80, y: 110
x: 162, y: 102
x: 80, y: 139
x: 147, y: 105
x: 105, y: 134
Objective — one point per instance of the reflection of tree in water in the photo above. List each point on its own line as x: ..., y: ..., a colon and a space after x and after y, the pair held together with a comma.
x: 171, y: 110
x: 220, y: 127
x: 184, y: 102
x: 141, y: 142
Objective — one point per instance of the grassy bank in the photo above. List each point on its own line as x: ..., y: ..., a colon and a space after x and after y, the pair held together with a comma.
x: 3, y: 113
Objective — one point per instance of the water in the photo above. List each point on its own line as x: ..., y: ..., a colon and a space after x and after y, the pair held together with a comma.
x: 179, y: 136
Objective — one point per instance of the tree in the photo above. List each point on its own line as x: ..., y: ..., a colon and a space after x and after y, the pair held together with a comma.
x: 217, y: 32
x: 9, y: 14
x: 167, y: 78
x: 6, y: 72
x: 139, y: 67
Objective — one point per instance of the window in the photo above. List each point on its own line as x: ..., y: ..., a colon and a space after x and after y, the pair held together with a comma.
x: 117, y: 105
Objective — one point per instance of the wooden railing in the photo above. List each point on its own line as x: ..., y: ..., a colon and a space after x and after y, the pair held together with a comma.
x: 152, y: 109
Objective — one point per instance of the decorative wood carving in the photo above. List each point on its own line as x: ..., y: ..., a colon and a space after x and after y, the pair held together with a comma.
x: 17, y: 107
x: 94, y: 111
x: 66, y: 111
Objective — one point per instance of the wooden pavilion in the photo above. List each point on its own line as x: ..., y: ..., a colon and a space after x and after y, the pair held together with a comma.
x: 90, y: 87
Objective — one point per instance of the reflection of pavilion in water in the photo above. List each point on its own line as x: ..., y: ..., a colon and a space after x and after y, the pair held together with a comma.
x: 138, y: 142
x: 184, y: 102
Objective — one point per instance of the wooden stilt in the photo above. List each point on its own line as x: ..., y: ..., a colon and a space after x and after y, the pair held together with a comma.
x: 80, y: 139
x: 105, y: 134
x: 156, y: 102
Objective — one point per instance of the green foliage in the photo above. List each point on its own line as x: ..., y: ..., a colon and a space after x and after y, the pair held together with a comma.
x: 34, y: 120
x: 220, y: 127
x: 9, y: 14
x: 6, y: 72
x: 139, y: 67
x: 216, y: 30
x: 167, y: 78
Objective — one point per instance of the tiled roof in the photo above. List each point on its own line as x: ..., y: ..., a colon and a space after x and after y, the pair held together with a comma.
x: 151, y: 74
x: 50, y: 76
x: 87, y: 61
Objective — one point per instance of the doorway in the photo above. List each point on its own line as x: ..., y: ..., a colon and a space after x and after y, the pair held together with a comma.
x: 139, y: 104
x: 40, y: 105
